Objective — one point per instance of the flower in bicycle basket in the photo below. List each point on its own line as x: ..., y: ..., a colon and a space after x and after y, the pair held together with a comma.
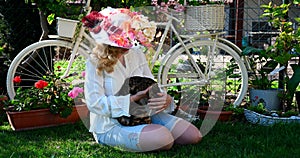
x: 177, y: 5
x: 164, y: 6
x: 120, y: 27
x: 50, y: 92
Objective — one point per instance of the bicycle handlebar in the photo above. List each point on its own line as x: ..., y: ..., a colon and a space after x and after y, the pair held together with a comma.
x: 87, y: 7
x: 170, y: 16
x: 88, y: 2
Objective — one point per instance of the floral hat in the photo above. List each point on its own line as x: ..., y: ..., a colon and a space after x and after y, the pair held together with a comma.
x: 120, y: 27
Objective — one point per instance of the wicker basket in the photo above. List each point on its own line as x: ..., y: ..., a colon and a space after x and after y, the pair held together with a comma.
x: 204, y: 17
x: 66, y: 27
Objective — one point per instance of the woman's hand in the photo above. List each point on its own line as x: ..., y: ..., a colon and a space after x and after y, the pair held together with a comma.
x: 136, y: 109
x: 139, y: 95
x: 160, y: 103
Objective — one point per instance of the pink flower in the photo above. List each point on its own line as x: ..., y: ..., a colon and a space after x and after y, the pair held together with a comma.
x: 143, y: 40
x: 141, y: 37
x: 74, y: 92
x: 131, y: 35
x: 83, y: 73
x: 163, y: 4
x: 120, y: 40
x: 154, y: 2
x: 179, y: 8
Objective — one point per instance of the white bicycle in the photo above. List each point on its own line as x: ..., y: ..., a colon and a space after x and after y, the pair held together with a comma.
x: 192, y: 70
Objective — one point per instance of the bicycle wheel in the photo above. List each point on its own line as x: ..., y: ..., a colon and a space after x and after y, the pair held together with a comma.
x: 212, y: 73
x: 40, y: 59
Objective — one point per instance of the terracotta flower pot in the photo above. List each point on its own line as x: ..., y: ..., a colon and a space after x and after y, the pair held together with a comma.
x: 25, y: 120
x: 220, y: 115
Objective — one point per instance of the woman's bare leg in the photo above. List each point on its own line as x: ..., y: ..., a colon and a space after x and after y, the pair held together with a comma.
x: 155, y: 137
x: 186, y: 133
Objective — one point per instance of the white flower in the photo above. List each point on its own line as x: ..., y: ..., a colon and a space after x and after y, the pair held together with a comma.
x: 141, y: 23
x: 149, y: 33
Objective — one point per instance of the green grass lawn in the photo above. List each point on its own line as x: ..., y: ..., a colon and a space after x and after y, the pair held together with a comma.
x: 231, y: 139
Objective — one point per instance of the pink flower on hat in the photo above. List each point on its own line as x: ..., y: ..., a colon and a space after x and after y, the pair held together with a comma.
x: 131, y: 35
x: 120, y: 40
x: 141, y: 37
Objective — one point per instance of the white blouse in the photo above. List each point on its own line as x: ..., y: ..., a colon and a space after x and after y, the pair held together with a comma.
x: 99, y: 90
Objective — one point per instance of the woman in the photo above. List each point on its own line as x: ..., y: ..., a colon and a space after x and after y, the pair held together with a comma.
x: 115, y: 58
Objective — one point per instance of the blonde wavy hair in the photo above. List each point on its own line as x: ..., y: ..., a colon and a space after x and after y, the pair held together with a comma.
x: 106, y: 57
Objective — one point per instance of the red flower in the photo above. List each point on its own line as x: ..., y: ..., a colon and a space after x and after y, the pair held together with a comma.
x: 41, y: 84
x: 93, y: 19
x: 17, y: 79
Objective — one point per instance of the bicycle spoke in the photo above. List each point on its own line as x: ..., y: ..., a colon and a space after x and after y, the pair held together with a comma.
x: 34, y: 65
x: 41, y: 59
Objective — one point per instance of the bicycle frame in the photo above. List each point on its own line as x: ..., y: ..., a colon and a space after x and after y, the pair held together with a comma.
x: 78, y: 40
x: 182, y: 43
x: 169, y: 25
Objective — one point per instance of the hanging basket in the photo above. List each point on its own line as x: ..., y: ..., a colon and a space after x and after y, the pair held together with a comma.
x: 204, y: 17
x: 66, y: 27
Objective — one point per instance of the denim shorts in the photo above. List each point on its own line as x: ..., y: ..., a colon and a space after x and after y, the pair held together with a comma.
x: 127, y: 137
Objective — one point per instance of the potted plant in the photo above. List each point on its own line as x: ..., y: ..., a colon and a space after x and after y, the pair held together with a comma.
x: 213, y: 107
x: 280, y: 53
x: 285, y: 48
x: 50, y: 102
x: 216, y: 106
x: 262, y: 85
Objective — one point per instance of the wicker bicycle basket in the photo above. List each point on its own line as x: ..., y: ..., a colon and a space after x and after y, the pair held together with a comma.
x: 204, y: 17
